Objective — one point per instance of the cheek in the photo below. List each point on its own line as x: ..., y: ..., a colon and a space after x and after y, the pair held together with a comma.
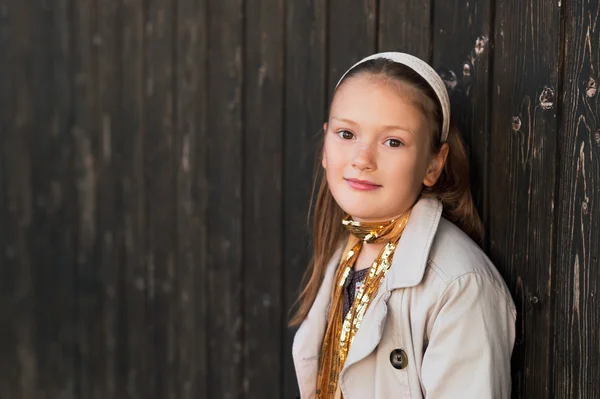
x: 333, y: 156
x: 405, y: 171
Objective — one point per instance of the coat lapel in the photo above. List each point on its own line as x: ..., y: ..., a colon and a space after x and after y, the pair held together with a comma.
x: 407, y: 270
x: 371, y: 328
x: 308, y: 338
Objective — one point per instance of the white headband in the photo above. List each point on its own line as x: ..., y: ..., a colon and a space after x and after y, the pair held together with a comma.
x: 427, y: 72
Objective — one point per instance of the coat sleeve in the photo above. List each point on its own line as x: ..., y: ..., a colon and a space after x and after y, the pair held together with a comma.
x: 471, y: 339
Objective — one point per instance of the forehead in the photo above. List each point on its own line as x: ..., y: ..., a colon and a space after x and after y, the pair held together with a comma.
x: 376, y: 100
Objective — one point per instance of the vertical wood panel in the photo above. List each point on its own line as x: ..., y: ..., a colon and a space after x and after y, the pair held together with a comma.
x: 352, y: 35
x: 263, y: 112
x: 576, y: 287
x: 405, y: 26
x: 132, y: 198
x: 304, y: 115
x: 461, y: 55
x: 107, y: 40
x: 55, y: 207
x: 159, y: 174
x: 192, y: 187
x: 225, y: 276
x: 522, y: 167
x: 88, y: 286
x: 19, y: 365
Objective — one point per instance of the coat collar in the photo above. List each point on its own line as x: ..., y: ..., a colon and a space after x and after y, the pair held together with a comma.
x: 407, y: 270
x: 412, y: 252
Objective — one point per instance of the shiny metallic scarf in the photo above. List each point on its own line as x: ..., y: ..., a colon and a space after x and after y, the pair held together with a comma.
x: 341, y: 331
x: 374, y: 232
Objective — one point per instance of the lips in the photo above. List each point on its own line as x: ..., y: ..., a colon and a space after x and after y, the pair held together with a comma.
x: 362, y: 185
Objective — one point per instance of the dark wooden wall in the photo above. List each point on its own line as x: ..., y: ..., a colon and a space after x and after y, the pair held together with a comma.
x: 155, y: 171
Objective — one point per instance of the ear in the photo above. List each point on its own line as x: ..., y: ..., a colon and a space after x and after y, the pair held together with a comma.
x: 436, y: 166
x: 323, y: 155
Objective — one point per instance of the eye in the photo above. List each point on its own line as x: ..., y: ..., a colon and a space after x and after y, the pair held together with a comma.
x: 394, y: 143
x: 345, y: 134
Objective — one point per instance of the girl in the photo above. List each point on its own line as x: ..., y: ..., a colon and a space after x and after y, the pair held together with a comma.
x: 400, y: 302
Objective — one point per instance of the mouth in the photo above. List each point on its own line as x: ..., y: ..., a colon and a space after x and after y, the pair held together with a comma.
x: 362, y: 185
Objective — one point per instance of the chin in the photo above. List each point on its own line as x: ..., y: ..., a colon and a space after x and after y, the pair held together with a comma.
x: 365, y: 213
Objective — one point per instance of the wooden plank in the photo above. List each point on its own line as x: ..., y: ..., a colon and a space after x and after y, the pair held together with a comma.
x: 576, y: 277
x: 224, y: 124
x: 192, y: 187
x: 352, y: 35
x: 110, y: 380
x: 406, y: 26
x: 263, y: 122
x: 53, y: 188
x: 522, y: 168
x: 160, y: 189
x: 461, y: 54
x: 85, y: 133
x: 18, y: 366
x: 132, y: 199
x: 305, y: 83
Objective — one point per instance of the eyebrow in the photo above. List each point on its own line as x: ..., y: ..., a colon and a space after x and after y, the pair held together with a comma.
x: 386, y: 127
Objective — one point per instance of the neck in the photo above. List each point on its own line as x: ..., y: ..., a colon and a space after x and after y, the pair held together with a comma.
x: 384, y: 220
x: 368, y: 254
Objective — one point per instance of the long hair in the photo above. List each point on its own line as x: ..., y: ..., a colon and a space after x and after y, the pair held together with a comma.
x: 452, y: 188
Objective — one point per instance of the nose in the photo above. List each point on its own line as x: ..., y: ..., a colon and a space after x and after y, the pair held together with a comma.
x: 364, y: 158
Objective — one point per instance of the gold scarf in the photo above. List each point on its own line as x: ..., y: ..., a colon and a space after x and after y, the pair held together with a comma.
x: 341, y: 331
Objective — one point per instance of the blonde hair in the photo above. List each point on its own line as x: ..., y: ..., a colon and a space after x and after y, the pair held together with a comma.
x: 452, y: 188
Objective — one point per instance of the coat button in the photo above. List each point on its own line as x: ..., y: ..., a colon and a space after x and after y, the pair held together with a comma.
x: 398, y: 359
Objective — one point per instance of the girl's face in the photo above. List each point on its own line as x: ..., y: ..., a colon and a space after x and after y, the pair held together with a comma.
x: 377, y: 150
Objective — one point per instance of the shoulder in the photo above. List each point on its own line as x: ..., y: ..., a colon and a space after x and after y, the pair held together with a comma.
x: 454, y: 258
x: 453, y: 253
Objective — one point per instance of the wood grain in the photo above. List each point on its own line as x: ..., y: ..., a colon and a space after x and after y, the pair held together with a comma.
x: 18, y: 300
x: 352, y: 35
x: 192, y: 188
x: 225, y: 197
x: 462, y: 55
x: 85, y: 134
x: 576, y: 278
x: 160, y: 189
x: 304, y: 115
x: 132, y: 198
x: 108, y: 380
x: 406, y: 26
x: 263, y: 123
x: 521, y: 175
x: 156, y: 163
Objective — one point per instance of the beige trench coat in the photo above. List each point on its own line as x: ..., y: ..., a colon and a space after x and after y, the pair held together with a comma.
x: 441, y: 326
